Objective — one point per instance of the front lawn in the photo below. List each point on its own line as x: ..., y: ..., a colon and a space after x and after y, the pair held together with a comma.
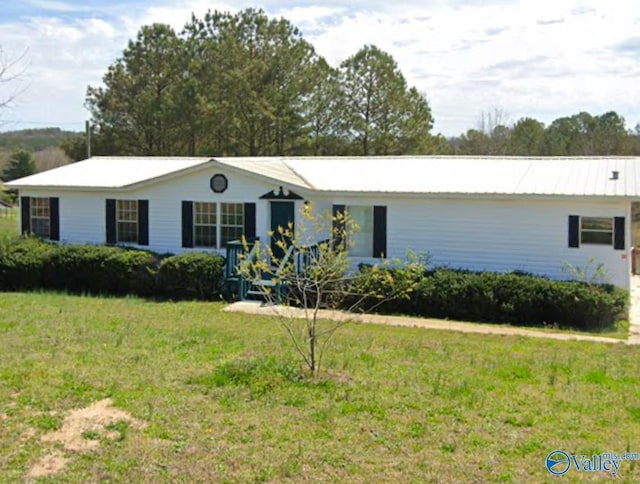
x: 220, y: 397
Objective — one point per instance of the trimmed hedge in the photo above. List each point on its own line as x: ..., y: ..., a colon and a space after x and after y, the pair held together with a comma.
x: 524, y: 299
x: 22, y: 263
x: 511, y: 298
x: 29, y: 263
x: 100, y: 269
x: 194, y: 275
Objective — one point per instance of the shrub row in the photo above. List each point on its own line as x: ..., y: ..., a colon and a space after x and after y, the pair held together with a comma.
x: 28, y: 263
x: 513, y: 298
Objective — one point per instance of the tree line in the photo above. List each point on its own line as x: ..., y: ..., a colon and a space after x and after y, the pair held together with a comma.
x: 581, y: 134
x: 37, y: 139
x: 246, y: 84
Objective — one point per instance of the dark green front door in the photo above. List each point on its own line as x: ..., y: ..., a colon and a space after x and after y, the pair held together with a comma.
x: 281, y: 216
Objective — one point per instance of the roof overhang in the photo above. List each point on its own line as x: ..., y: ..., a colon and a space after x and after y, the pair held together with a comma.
x: 116, y: 188
x: 280, y: 172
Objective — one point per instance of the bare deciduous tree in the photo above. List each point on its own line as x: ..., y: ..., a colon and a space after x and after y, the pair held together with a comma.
x: 488, y: 121
x: 50, y: 157
x: 12, y: 83
x: 313, y: 275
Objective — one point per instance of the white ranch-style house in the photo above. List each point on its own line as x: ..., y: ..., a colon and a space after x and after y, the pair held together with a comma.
x: 480, y: 213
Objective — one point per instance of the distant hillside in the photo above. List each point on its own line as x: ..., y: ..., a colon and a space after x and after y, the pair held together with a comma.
x: 44, y: 143
x: 33, y: 139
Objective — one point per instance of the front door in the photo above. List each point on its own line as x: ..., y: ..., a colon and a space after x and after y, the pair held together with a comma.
x: 281, y: 216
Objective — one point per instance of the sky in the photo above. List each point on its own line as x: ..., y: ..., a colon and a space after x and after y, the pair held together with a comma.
x: 518, y: 58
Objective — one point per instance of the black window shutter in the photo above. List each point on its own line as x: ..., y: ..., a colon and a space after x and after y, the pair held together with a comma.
x: 338, y: 226
x: 143, y: 222
x: 187, y: 224
x: 54, y: 218
x: 379, y: 231
x: 250, y: 221
x: 111, y: 221
x: 25, y: 214
x: 574, y: 231
x: 618, y: 233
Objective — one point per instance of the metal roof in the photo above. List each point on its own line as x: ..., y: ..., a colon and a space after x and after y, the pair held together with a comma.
x: 438, y: 175
x: 569, y: 176
x: 276, y: 169
x: 108, y: 172
x: 474, y: 175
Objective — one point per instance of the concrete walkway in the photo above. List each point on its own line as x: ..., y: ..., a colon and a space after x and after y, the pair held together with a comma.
x: 254, y: 307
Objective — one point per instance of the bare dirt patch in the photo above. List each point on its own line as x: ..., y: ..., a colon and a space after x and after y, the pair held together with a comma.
x: 81, y: 432
x: 28, y: 434
x: 48, y: 465
x: 90, y: 419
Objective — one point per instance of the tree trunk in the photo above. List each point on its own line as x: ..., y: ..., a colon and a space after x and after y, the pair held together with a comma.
x: 312, y: 350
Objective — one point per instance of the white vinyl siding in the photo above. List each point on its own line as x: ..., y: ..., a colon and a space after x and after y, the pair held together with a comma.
x: 82, y: 213
x: 474, y: 233
x: 165, y: 213
x: 498, y: 235
x: 509, y: 235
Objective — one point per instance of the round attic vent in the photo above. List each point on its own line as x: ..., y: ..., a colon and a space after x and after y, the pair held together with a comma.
x: 219, y: 183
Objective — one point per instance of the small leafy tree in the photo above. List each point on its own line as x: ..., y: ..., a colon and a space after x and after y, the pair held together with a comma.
x: 312, y: 275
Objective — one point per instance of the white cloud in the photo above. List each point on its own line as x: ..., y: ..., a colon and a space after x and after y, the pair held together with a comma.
x: 63, y: 58
x: 54, y: 6
x: 449, y: 53
x: 308, y: 14
x: 544, y: 58
x: 101, y: 27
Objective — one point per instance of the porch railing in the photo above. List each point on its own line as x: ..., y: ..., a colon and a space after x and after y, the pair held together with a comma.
x: 308, y: 255
x: 301, y: 257
x: 233, y: 258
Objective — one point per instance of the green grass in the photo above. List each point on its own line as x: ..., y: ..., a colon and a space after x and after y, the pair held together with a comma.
x: 619, y: 330
x: 8, y: 223
x: 222, y: 397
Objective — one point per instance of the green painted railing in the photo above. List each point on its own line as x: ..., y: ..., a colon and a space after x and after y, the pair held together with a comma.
x: 234, y: 250
x: 308, y: 255
x: 302, y: 257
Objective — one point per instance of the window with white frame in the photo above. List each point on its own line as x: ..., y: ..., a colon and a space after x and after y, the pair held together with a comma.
x: 231, y: 222
x: 215, y: 224
x: 596, y: 230
x: 360, y: 242
x: 40, y: 214
x: 127, y: 221
x: 204, y: 224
